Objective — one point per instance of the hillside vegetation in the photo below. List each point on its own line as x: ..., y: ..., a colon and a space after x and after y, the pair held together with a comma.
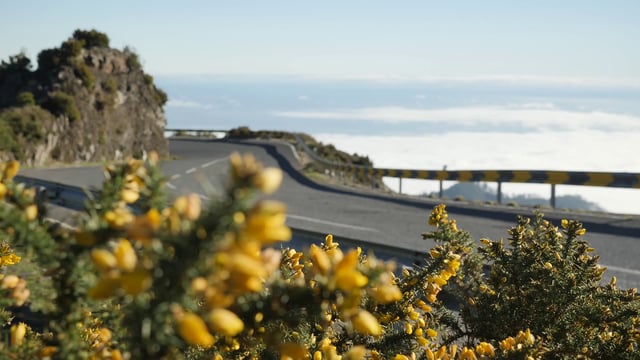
x: 85, y: 101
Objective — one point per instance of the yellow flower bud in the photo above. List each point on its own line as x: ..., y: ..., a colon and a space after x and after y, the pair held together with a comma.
x: 320, y: 259
x: 103, y: 259
x: 269, y: 180
x: 355, y: 353
x: 431, y: 333
x: 10, y: 281
x: 17, y: 334
x: 3, y: 190
x: 10, y: 170
x: 408, y: 329
x: 31, y: 212
x: 125, y: 255
x: 129, y: 195
x: 293, y: 351
x: 199, y: 284
x: 225, y: 322
x: 365, y: 323
x: 386, y: 294
x: 194, y: 330
x: 135, y: 282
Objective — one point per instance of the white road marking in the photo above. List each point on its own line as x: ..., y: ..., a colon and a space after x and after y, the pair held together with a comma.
x: 620, y: 269
x: 203, y: 197
x: 331, y: 223
x: 192, y: 170
x: 214, y: 162
x: 174, y: 176
x: 171, y: 186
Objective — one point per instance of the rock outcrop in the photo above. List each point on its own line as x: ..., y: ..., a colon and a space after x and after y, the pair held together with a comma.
x: 85, y: 102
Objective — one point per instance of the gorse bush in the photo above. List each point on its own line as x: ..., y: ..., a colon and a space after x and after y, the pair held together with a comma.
x: 144, y: 278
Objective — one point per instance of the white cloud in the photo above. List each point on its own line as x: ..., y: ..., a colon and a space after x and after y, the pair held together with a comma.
x: 506, y: 79
x: 540, y: 117
x: 188, y: 104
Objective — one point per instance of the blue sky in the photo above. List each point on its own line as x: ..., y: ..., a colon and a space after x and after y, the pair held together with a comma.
x: 366, y: 38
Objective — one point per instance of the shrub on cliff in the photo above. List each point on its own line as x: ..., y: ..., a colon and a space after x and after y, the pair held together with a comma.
x: 62, y: 104
x: 25, y: 99
x: 142, y: 278
x: 91, y: 38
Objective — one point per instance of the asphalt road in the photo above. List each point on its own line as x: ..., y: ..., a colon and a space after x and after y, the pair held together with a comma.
x: 363, y: 215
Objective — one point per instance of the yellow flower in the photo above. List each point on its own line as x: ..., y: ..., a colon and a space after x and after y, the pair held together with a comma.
x: 564, y: 223
x: 266, y: 223
x: 3, y: 190
x: 31, y: 212
x: 194, y: 330
x: 118, y: 218
x: 17, y: 334
x: 188, y: 206
x: 293, y: 351
x: 408, y: 329
x: 525, y: 337
x: 320, y: 259
x: 135, y: 282
x: 199, y: 284
x: 365, y: 323
x: 225, y: 322
x: 10, y: 170
x: 103, y: 259
x: 130, y: 195
x: 346, y: 275
x: 355, y: 353
x: 9, y: 259
x: 125, y: 255
x: 485, y: 349
x: 10, y: 281
x: 581, y: 231
x: 431, y: 333
x: 467, y: 354
x: 268, y: 180
x: 386, y: 293
x: 507, y: 344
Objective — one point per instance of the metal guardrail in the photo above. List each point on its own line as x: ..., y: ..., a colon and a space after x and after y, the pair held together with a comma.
x: 553, y: 178
x: 67, y: 196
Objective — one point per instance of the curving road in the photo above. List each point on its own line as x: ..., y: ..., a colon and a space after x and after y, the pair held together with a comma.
x: 365, y: 216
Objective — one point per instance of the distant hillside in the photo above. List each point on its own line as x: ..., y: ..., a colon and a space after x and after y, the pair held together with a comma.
x: 481, y: 192
x: 84, y: 102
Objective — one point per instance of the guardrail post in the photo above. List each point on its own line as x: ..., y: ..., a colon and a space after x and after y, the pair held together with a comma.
x: 553, y: 196
x: 400, y: 185
x: 440, y: 195
x: 499, y: 192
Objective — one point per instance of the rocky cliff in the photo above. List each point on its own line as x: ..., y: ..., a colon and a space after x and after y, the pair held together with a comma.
x: 84, y: 102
